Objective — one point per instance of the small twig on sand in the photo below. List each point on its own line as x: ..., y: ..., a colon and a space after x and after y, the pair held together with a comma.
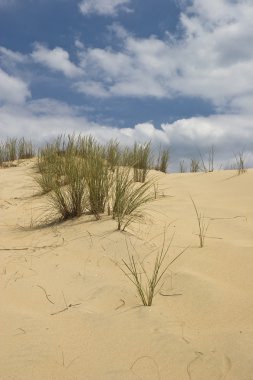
x: 67, y: 306
x: 122, y: 304
x: 146, y: 357
x: 14, y: 249
x: 46, y: 294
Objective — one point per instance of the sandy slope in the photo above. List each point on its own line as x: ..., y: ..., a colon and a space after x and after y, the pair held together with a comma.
x: 205, y: 332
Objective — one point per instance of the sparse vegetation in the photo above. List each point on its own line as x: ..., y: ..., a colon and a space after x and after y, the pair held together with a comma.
x: 70, y: 201
x: 240, y: 162
x: 141, y: 161
x: 128, y: 197
x: 182, y: 167
x: 13, y: 149
x: 113, y: 154
x: 81, y: 176
x: 202, y: 224
x: 209, y: 166
x: 25, y: 149
x: 147, y: 284
x: 51, y: 167
x: 163, y: 160
x: 194, y: 166
x: 97, y: 179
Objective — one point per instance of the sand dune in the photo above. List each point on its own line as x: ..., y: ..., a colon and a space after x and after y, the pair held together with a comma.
x: 69, y: 313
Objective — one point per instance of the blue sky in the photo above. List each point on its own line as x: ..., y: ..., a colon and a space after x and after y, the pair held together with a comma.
x: 177, y: 72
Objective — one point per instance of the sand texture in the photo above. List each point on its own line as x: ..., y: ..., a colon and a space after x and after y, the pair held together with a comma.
x: 69, y: 313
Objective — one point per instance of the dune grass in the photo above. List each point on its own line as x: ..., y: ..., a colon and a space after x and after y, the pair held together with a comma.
x: 97, y: 178
x: 70, y: 200
x: 113, y: 154
x: 163, y: 160
x: 79, y: 175
x: 203, y: 225
x: 141, y: 161
x: 194, y: 166
x: 182, y: 167
x: 25, y: 149
x: 73, y: 173
x: 148, y: 284
x: 51, y: 168
x: 128, y: 197
x: 207, y: 163
x: 240, y: 162
x: 13, y: 149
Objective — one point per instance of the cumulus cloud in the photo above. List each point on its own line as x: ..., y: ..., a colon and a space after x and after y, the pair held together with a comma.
x: 56, y: 59
x: 12, y: 89
x: 212, y: 59
x: 11, y: 56
x: 103, y: 7
x: 91, y: 88
x: 44, y: 119
x: 228, y: 134
x: 10, y: 61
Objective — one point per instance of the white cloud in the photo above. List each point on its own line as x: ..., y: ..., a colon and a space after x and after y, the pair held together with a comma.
x: 11, y: 56
x: 44, y: 119
x: 12, y: 89
x: 103, y: 7
x: 213, y: 58
x: 228, y: 133
x: 56, y: 59
x: 91, y: 88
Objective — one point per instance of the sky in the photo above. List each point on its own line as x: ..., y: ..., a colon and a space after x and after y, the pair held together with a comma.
x: 178, y: 73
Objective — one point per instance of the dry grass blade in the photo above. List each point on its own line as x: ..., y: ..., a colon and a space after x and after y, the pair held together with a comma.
x: 147, y: 286
x: 202, y: 224
x: 128, y: 197
x: 141, y: 161
x: 70, y: 200
x: 97, y: 178
x: 113, y: 154
x: 194, y: 166
x: 163, y: 160
x: 240, y: 162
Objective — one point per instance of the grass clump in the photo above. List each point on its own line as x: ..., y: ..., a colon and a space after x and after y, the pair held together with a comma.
x: 113, y: 154
x: 240, y: 163
x: 13, y: 149
x: 128, y: 197
x: 163, y: 160
x: 97, y: 179
x: 148, y: 284
x: 207, y: 165
x: 70, y: 200
x: 51, y: 167
x: 1, y: 154
x: 72, y: 171
x: 80, y: 175
x: 182, y: 167
x: 194, y: 166
x: 141, y: 161
x: 25, y: 149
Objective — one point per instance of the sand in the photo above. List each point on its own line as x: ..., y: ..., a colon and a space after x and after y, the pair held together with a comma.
x: 69, y: 313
